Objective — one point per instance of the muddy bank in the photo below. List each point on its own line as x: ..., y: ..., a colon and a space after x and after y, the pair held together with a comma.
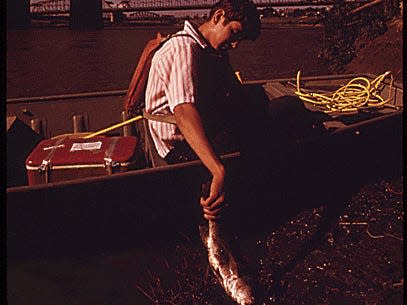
x: 384, y: 53
x: 358, y: 259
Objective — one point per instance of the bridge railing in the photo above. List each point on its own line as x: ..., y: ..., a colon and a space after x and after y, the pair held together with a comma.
x: 63, y: 6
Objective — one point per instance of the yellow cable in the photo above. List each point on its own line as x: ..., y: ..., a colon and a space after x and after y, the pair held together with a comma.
x: 139, y: 117
x: 358, y: 93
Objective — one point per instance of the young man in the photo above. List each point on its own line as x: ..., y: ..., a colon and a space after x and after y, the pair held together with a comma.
x: 191, y: 78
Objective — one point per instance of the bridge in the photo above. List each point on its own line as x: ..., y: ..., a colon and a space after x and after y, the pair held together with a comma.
x: 88, y: 14
x: 63, y: 6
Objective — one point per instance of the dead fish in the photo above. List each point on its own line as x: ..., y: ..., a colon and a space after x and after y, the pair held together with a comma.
x: 224, y: 266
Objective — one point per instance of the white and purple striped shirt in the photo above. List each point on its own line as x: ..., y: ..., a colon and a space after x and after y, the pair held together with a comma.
x: 172, y: 81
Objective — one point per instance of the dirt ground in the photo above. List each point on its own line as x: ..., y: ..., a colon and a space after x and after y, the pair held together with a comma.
x: 359, y: 260
x: 384, y: 53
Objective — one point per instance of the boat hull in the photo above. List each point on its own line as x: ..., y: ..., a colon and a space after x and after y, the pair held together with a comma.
x: 158, y: 205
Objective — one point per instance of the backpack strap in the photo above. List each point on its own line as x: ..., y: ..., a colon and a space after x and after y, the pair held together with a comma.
x: 164, y: 118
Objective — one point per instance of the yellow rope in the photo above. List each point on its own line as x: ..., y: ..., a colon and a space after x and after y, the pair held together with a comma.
x: 358, y: 94
x: 139, y: 117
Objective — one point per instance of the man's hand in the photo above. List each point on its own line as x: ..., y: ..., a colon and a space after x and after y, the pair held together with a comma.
x: 212, y: 205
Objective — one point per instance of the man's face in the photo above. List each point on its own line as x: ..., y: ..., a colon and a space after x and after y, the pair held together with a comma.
x: 228, y: 35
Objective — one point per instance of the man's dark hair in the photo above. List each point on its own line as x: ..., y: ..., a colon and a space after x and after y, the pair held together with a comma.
x: 244, y: 11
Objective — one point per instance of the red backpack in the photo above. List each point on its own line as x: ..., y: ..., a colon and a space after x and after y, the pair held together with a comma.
x: 135, y: 97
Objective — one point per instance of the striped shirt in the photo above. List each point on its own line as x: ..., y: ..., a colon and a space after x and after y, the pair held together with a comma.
x: 172, y: 81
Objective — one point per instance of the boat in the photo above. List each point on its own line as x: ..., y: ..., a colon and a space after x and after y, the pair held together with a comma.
x: 112, y: 210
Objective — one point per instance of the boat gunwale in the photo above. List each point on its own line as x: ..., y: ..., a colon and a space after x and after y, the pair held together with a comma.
x: 20, y: 100
x: 135, y: 172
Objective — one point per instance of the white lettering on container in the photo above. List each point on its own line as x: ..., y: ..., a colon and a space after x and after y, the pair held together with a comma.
x: 86, y: 146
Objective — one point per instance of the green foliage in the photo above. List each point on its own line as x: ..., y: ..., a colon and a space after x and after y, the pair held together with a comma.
x: 346, y: 33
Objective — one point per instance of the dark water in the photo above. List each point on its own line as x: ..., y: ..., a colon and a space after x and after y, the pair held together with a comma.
x: 48, y: 61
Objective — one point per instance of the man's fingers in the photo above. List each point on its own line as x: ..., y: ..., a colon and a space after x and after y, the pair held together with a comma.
x: 211, y: 212
x: 218, y: 202
x: 212, y: 201
x: 212, y: 205
x: 208, y: 201
x: 209, y: 217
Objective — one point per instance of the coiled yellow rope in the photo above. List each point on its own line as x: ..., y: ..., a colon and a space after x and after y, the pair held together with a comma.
x: 358, y: 94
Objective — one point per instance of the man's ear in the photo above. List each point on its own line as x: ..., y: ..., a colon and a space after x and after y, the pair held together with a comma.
x: 218, y: 15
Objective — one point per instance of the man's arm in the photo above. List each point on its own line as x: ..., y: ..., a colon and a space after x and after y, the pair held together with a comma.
x: 190, y: 124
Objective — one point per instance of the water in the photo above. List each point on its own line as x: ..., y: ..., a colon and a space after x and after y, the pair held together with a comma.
x: 48, y: 61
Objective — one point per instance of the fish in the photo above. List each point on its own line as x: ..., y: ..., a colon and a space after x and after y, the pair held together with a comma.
x: 224, y: 265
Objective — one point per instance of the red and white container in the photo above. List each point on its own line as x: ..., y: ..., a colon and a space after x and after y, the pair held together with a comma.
x: 65, y: 158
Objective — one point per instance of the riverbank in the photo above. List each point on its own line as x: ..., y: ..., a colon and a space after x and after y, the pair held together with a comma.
x: 292, y: 21
x: 384, y: 53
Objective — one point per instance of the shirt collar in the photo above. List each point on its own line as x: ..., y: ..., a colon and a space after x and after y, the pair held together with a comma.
x: 193, y: 30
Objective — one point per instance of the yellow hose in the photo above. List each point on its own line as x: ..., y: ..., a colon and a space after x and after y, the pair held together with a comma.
x: 358, y: 94
x: 139, y: 117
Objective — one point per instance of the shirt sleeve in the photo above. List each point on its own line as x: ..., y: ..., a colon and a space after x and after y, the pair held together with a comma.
x: 179, y: 72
